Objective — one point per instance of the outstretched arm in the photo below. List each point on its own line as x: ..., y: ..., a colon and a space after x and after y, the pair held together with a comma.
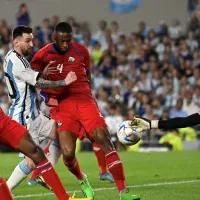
x: 142, y: 124
x: 180, y: 122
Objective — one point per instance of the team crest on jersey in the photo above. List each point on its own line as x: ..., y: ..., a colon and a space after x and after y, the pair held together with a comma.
x: 71, y: 59
x: 59, y: 124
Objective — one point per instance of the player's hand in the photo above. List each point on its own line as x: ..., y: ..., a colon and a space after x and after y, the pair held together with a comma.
x: 51, y: 102
x: 71, y: 77
x: 49, y: 69
x: 141, y: 124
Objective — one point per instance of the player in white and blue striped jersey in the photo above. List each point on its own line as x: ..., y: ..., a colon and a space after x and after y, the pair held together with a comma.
x: 21, y: 82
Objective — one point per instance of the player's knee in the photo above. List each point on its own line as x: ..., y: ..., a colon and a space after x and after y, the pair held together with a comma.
x: 68, y: 154
x: 36, y: 154
x: 102, y: 137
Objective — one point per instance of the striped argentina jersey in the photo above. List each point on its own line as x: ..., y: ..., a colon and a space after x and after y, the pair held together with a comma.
x: 20, y: 79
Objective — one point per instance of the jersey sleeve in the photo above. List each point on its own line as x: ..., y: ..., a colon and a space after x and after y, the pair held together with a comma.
x: 180, y: 122
x: 37, y: 61
x: 23, y: 71
x: 86, y: 58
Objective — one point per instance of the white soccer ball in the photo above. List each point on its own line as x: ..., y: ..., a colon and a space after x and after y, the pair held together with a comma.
x: 128, y: 135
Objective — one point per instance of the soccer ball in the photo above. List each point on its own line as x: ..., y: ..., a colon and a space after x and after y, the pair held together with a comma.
x: 128, y: 135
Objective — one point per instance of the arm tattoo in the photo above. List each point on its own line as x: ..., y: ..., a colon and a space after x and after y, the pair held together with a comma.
x: 46, y: 84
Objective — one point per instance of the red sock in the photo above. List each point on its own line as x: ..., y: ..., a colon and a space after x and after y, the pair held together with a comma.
x: 115, y: 167
x: 51, y: 178
x: 46, y: 150
x: 74, y: 168
x: 100, y: 155
x: 36, y: 171
x: 34, y: 174
x: 4, y: 191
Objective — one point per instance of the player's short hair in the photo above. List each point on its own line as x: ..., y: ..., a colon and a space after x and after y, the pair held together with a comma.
x: 63, y: 27
x: 19, y: 30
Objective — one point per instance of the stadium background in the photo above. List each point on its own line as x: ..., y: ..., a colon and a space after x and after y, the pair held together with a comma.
x: 145, y: 62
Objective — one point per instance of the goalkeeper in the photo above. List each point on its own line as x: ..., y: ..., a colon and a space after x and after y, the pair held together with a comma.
x: 143, y: 124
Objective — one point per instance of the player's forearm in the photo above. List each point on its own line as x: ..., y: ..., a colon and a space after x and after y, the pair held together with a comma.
x: 88, y: 75
x: 179, y: 122
x: 46, y: 84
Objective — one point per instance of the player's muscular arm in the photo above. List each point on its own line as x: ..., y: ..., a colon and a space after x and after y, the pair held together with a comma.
x: 88, y: 74
x: 142, y: 124
x: 46, y: 84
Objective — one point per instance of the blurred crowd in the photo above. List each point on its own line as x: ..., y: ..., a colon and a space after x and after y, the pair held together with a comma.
x: 154, y: 73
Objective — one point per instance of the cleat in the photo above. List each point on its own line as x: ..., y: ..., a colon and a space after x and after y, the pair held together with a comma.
x: 127, y: 196
x: 73, y: 198
x: 41, y: 182
x: 32, y: 182
x: 21, y: 155
x: 86, y: 188
x: 106, y: 176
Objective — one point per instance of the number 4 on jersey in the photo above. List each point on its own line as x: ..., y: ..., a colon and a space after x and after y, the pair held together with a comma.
x: 60, y: 68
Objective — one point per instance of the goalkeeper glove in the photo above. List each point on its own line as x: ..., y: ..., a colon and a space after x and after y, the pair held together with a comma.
x: 143, y: 124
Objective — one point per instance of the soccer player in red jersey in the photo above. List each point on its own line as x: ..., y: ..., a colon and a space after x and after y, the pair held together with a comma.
x: 77, y: 111
x: 17, y: 137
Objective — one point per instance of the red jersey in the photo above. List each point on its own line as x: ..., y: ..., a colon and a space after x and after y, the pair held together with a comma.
x: 75, y: 59
x: 2, y: 114
x: 11, y: 132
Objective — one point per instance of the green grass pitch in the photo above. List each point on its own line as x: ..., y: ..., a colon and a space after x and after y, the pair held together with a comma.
x: 155, y: 176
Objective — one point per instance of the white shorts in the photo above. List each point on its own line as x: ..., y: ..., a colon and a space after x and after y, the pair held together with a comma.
x: 40, y: 128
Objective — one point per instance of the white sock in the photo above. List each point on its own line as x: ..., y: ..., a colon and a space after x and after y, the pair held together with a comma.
x: 18, y: 175
x: 54, y: 153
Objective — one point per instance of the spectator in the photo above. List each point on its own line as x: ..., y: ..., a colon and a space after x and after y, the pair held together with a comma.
x: 121, y: 45
x: 44, y: 34
x: 71, y: 20
x: 115, y: 33
x: 189, y: 105
x: 114, y: 119
x: 162, y: 29
x: 96, y: 53
x: 143, y: 31
x: 99, y: 35
x: 178, y: 110
x: 23, y: 17
x: 54, y: 21
x: 77, y: 34
x: 175, y: 30
x: 196, y: 59
x: 191, y: 42
x: 194, y: 24
x: 192, y: 4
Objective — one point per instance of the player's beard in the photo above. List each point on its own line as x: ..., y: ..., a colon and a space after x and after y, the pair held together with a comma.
x: 26, y: 52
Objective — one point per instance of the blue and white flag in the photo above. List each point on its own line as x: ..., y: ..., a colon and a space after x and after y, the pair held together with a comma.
x: 124, y: 6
